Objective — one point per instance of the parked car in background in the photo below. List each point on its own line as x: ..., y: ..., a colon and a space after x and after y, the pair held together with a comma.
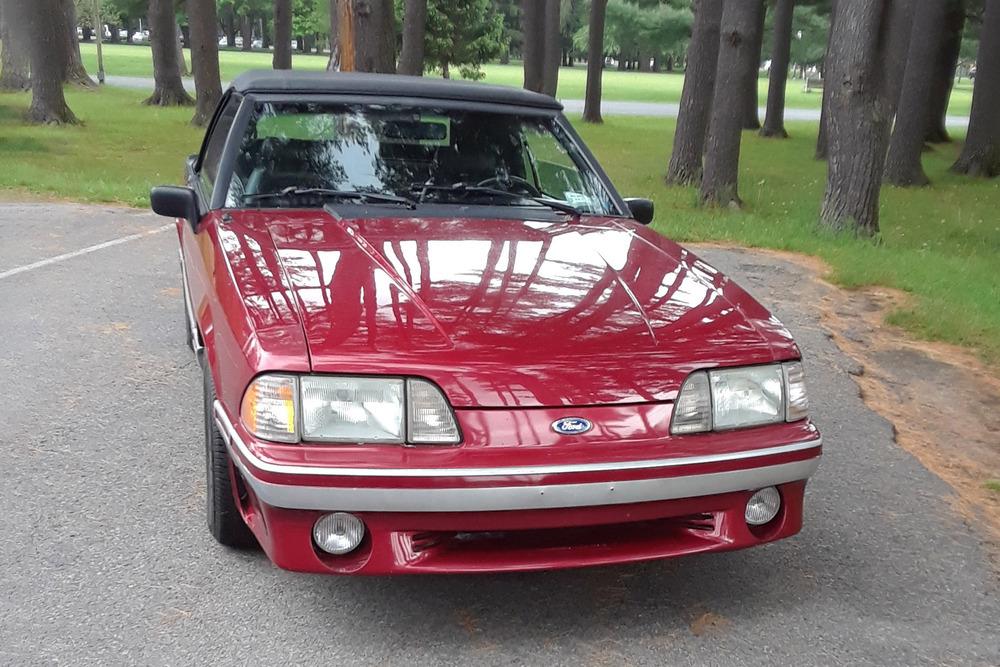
x: 434, y: 339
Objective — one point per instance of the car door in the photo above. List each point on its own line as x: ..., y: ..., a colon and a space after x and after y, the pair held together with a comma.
x: 196, y: 242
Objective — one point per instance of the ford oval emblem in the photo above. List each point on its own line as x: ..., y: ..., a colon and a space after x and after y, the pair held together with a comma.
x: 572, y: 425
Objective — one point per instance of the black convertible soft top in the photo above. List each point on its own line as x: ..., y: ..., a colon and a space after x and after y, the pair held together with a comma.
x: 389, y: 85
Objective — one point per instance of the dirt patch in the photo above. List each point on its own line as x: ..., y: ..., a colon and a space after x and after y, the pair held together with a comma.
x: 943, y: 402
x: 708, y: 623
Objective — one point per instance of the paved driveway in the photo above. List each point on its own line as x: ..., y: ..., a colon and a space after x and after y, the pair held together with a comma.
x: 105, y: 558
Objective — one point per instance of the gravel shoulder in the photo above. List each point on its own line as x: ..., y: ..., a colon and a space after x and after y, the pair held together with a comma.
x: 107, y: 561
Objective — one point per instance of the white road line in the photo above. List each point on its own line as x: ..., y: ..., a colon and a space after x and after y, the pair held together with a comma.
x: 83, y: 251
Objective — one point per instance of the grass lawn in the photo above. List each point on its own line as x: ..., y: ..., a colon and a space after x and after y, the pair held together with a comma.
x: 135, y: 60
x: 121, y: 150
x: 940, y: 244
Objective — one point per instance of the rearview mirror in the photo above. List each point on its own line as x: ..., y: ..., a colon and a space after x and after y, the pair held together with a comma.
x: 641, y: 210
x: 175, y: 202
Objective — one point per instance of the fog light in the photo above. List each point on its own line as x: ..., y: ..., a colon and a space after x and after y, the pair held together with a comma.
x: 763, y: 506
x: 338, y: 533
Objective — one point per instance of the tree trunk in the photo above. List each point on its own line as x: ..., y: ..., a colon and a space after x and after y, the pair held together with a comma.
x: 46, y: 42
x: 203, y: 21
x: 696, y: 97
x: 595, y: 62
x: 113, y: 29
x: 739, y: 58
x: 860, y: 111
x: 898, y: 50
x: 981, y: 153
x: 821, y: 140
x: 230, y: 27
x: 532, y: 27
x: 944, y: 73
x: 14, y: 61
x: 168, y: 87
x: 74, y: 71
x: 551, y: 48
x: 180, y: 53
x: 774, y: 120
x: 375, y: 27
x: 282, y: 57
x: 751, y: 101
x: 246, y: 32
x: 903, y: 165
x: 411, y: 58
x: 333, y: 64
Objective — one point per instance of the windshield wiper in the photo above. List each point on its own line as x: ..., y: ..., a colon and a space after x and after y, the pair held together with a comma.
x: 360, y: 195
x: 463, y: 188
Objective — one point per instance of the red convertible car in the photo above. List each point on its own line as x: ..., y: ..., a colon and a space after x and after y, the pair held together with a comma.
x: 434, y: 338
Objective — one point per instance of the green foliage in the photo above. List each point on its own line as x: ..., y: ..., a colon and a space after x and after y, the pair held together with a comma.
x: 463, y: 34
x: 810, y: 29
x: 310, y: 17
x: 120, y: 11
x: 650, y: 29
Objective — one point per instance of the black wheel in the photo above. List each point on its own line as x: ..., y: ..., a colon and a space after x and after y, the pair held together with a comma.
x: 224, y: 519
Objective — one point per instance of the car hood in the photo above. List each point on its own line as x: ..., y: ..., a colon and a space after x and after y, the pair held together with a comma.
x: 516, y: 312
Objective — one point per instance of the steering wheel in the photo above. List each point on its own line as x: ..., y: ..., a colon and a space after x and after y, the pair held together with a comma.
x: 526, y: 187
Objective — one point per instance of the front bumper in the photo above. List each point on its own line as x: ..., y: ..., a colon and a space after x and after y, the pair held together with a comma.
x: 518, y: 518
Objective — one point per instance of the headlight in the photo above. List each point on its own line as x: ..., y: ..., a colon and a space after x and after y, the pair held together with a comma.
x: 349, y: 410
x: 747, y: 397
x: 345, y: 409
x: 731, y: 398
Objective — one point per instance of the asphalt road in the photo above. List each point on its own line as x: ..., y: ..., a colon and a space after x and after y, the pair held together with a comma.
x: 608, y: 107
x: 105, y: 558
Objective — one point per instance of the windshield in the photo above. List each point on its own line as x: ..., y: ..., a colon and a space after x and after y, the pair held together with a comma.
x: 308, y: 154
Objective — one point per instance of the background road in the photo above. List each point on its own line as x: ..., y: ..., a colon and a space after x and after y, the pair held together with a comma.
x: 105, y: 558
x: 608, y: 107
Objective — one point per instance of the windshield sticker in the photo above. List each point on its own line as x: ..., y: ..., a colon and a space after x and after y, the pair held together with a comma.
x: 577, y: 199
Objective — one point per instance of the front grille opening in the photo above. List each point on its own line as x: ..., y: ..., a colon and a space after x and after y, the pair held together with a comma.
x: 561, y: 538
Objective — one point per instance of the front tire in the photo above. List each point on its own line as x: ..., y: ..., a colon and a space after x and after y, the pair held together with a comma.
x: 224, y: 519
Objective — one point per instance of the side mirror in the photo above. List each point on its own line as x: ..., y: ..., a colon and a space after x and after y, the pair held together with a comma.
x: 175, y: 202
x: 641, y: 210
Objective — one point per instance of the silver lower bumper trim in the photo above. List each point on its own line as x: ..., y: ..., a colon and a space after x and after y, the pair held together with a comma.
x: 192, y: 322
x: 502, y: 498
